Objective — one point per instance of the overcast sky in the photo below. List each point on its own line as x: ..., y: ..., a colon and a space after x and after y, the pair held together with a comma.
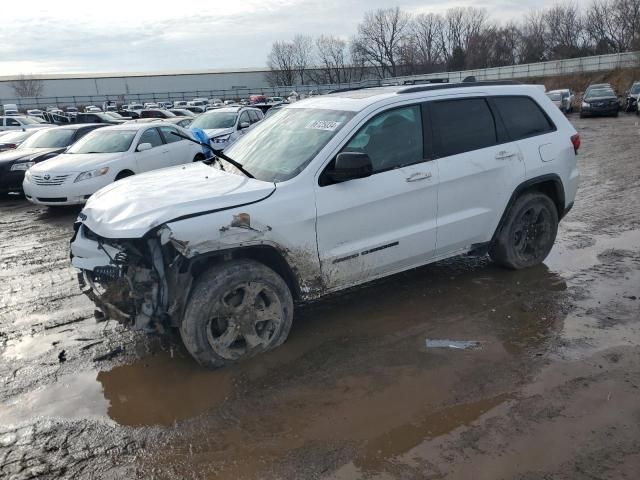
x: 64, y: 36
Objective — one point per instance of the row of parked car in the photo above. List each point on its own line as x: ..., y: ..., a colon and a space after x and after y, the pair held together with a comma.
x: 598, y: 99
x: 196, y: 106
x: 65, y: 165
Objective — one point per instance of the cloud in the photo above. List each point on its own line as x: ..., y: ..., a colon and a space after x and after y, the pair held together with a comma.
x: 75, y: 36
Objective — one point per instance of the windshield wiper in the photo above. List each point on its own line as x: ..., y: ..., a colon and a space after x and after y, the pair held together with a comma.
x: 217, y: 153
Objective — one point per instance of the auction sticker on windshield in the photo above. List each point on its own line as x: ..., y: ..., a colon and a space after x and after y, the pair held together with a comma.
x: 328, y: 125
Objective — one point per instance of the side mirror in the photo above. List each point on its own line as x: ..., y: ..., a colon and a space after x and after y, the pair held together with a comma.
x: 244, y: 125
x: 351, y: 165
x: 144, y: 147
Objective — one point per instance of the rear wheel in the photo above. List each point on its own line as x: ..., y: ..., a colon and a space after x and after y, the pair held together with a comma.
x: 236, y: 310
x: 528, y: 233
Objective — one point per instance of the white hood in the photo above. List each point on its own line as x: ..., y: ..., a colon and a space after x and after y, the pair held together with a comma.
x: 131, y: 207
x: 76, y: 162
x: 216, y: 132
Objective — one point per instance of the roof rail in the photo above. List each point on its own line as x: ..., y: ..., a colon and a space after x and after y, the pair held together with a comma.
x: 444, y: 86
x: 425, y: 81
x: 349, y: 89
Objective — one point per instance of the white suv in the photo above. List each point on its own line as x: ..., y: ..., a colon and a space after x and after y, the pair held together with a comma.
x: 332, y: 192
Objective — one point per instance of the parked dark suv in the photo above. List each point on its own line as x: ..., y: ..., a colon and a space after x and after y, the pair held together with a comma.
x: 600, y: 101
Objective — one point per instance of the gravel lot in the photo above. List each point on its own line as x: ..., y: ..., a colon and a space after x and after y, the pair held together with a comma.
x: 552, y: 391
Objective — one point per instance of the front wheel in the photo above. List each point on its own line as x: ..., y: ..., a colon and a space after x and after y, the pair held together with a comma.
x: 528, y: 233
x: 236, y: 310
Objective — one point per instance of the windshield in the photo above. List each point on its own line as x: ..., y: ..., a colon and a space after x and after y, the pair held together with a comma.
x: 601, y: 92
x: 554, y: 96
x: 635, y: 88
x: 215, y: 120
x: 50, y: 138
x: 280, y: 148
x: 104, y: 141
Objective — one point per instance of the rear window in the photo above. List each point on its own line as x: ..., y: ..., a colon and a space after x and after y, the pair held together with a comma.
x: 462, y: 126
x: 522, y: 117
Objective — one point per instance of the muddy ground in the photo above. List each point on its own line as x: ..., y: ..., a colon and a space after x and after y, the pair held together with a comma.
x: 552, y: 391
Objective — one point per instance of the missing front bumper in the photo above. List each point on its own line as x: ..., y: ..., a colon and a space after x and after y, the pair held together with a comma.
x: 107, y: 309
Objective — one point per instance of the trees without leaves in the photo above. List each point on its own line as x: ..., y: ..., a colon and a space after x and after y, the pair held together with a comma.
x: 391, y: 42
x: 27, y: 86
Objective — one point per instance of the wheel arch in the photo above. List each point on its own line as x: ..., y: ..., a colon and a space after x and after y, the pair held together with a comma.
x: 268, y: 255
x: 125, y: 172
x: 549, y: 184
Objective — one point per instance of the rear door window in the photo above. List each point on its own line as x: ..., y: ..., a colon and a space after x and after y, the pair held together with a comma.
x: 522, y: 117
x: 462, y: 126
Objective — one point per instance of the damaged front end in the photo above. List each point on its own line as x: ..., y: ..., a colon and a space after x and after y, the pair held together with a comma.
x: 124, y: 278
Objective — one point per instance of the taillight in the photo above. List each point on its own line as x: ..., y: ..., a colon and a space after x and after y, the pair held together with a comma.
x: 575, y: 141
x: 10, y: 145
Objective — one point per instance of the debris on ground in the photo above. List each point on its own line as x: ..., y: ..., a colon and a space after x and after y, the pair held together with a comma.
x: 455, y: 344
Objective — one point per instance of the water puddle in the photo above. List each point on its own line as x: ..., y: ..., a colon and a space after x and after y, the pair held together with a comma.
x: 400, y: 440
x: 158, y: 390
x: 72, y: 397
x: 564, y: 258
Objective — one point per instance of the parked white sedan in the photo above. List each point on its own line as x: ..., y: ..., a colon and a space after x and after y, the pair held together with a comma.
x: 19, y: 122
x: 105, y: 156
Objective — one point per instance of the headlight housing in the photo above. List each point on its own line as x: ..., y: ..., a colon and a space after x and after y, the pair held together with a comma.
x: 221, y: 138
x: 91, y: 174
x: 18, y: 166
x: 585, y: 105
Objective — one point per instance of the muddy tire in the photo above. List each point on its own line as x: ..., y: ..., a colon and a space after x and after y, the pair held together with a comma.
x: 528, y: 233
x: 237, y: 309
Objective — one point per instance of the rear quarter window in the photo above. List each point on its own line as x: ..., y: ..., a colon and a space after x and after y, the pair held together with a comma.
x: 462, y: 126
x: 522, y: 117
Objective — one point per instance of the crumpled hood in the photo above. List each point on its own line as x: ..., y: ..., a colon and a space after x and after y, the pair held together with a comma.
x: 29, y: 154
x: 216, y: 132
x: 76, y: 162
x: 131, y: 207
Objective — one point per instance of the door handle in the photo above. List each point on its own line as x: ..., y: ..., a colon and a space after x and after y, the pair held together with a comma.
x: 503, y: 155
x: 415, y: 177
